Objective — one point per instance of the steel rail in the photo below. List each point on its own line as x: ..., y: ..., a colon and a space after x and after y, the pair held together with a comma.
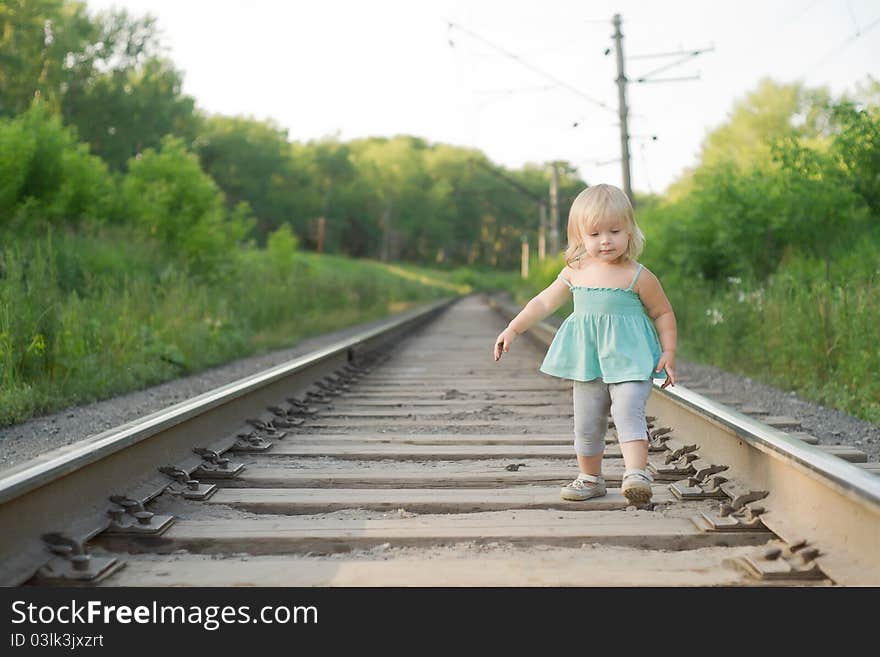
x: 67, y: 490
x: 813, y: 495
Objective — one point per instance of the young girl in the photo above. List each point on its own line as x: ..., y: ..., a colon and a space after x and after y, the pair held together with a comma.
x: 607, y: 346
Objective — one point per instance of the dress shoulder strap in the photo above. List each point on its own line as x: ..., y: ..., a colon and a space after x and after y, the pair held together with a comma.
x: 636, y: 277
x: 565, y: 280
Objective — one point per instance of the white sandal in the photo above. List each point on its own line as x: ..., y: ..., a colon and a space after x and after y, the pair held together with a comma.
x: 583, y: 488
x: 636, y: 486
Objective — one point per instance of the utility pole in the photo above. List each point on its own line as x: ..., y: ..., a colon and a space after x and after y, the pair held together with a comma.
x: 385, y: 224
x: 623, y: 110
x: 321, y: 222
x: 554, y: 211
x: 542, y: 233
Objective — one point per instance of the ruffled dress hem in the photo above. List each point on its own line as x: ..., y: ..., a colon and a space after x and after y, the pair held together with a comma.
x: 617, y: 378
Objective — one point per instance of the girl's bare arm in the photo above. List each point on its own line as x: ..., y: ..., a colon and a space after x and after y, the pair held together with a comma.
x: 537, y: 309
x: 540, y: 307
x: 660, y: 310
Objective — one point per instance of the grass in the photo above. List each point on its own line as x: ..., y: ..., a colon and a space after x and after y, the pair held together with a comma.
x: 86, y: 317
x: 815, y: 337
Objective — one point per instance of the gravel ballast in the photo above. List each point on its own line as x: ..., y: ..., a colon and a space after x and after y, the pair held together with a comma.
x: 830, y: 426
x: 19, y: 443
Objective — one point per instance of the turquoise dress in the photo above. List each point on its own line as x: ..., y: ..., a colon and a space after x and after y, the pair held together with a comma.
x: 609, y: 336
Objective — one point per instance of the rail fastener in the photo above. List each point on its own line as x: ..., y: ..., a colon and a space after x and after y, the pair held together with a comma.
x: 250, y: 443
x: 782, y: 562
x: 128, y: 516
x: 189, y: 489
x: 215, y: 466
x: 72, y: 564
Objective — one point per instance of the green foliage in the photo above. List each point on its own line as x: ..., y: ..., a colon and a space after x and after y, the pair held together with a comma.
x: 772, y: 111
x: 811, y: 327
x: 167, y: 193
x: 739, y: 215
x: 53, y: 49
x: 45, y: 175
x: 251, y: 161
x: 126, y: 111
x: 86, y: 316
x: 44, y: 47
x: 856, y: 149
x: 83, y: 258
x: 768, y: 248
x: 28, y: 314
x: 281, y: 249
x: 102, y: 73
x: 403, y: 198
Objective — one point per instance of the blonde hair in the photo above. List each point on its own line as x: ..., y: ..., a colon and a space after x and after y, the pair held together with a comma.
x: 592, y: 206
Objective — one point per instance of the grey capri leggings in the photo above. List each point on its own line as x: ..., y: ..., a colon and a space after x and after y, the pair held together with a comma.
x: 592, y: 400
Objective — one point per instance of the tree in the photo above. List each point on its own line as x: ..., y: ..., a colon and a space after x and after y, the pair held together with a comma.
x: 772, y: 111
x: 251, y: 161
x: 126, y: 111
x: 44, y: 46
x: 167, y: 193
x: 792, y: 172
x: 104, y: 74
x: 46, y: 175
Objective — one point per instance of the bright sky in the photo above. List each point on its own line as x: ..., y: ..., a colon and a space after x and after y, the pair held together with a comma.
x: 386, y: 67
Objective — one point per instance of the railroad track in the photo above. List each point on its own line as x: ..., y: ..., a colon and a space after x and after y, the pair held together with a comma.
x: 407, y: 456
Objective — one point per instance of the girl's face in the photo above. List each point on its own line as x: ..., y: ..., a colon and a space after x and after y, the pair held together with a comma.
x: 607, y: 240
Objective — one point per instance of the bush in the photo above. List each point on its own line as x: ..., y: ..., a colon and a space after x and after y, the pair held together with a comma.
x: 167, y: 193
x: 47, y: 176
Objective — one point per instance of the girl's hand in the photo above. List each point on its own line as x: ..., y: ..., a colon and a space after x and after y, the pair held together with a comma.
x: 503, y: 342
x: 667, y: 360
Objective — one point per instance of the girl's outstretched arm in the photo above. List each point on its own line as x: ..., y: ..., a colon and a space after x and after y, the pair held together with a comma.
x: 540, y: 306
x: 660, y: 311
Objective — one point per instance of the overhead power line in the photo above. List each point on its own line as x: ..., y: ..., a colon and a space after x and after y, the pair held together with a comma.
x: 539, y: 201
x: 853, y: 16
x: 529, y: 66
x: 842, y: 46
x: 510, y: 181
x: 520, y: 90
x: 796, y: 18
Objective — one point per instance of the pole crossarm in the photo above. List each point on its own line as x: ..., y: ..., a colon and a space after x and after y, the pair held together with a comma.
x: 690, y: 55
x: 689, y: 77
x: 672, y: 54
